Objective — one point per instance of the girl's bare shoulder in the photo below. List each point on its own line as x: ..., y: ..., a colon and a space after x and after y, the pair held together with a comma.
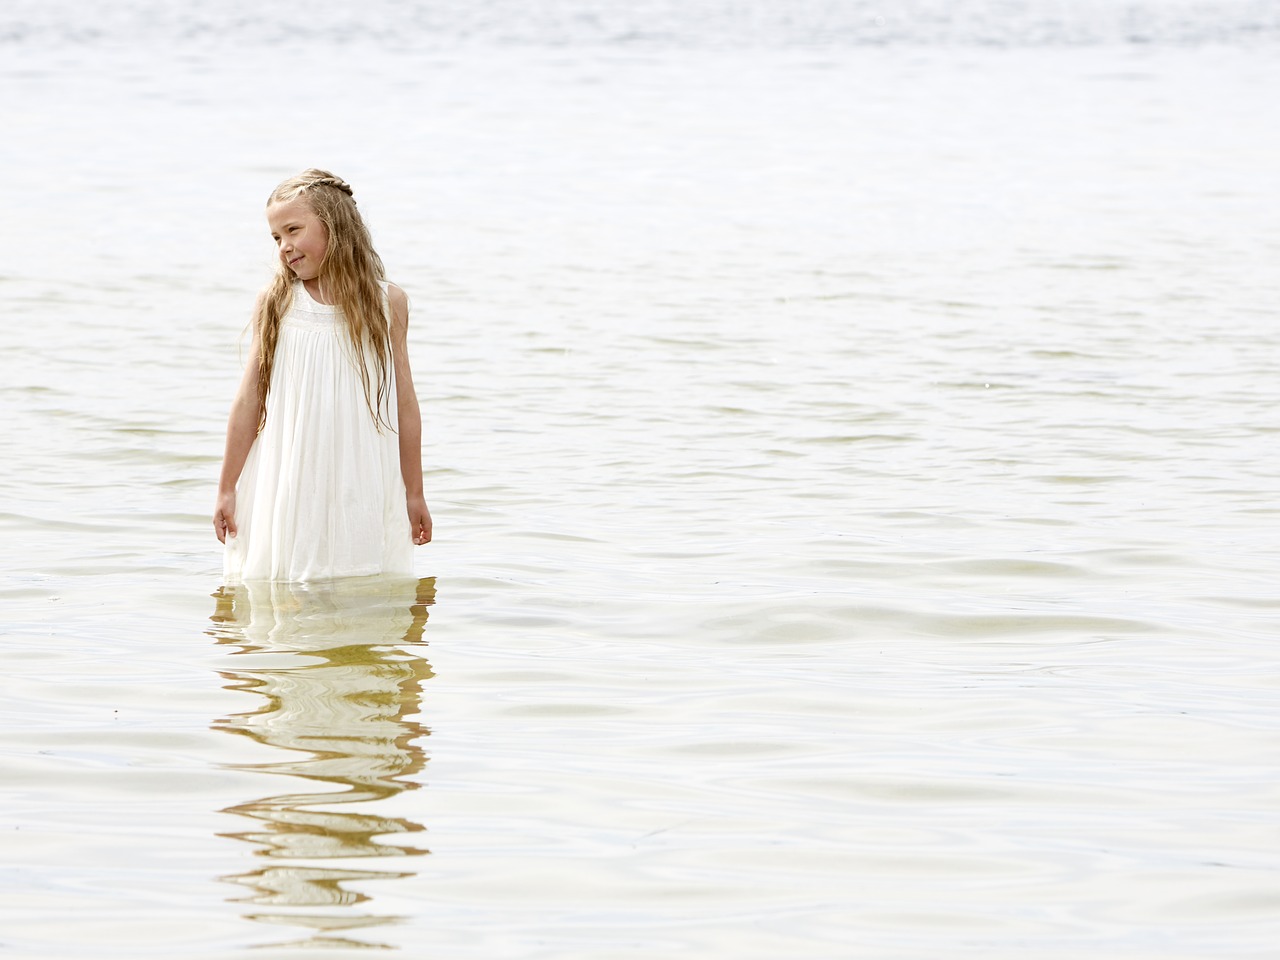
x: 394, y: 293
x: 399, y: 302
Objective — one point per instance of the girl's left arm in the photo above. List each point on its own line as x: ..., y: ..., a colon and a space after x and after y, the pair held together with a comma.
x: 408, y: 418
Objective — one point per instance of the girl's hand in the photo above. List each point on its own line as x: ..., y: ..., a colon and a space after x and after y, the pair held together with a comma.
x: 224, y: 517
x: 419, y: 521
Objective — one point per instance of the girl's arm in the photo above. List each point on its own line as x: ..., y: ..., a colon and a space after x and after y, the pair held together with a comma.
x: 242, y: 427
x: 408, y: 418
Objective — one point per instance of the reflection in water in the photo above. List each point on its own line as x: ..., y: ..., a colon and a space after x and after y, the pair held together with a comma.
x: 339, y: 666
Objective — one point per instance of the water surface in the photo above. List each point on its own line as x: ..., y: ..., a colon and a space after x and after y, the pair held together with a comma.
x: 853, y: 457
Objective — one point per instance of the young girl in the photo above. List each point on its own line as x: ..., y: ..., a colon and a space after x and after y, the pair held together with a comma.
x: 322, y: 475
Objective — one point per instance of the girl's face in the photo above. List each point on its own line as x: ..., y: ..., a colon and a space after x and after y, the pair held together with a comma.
x: 301, y: 237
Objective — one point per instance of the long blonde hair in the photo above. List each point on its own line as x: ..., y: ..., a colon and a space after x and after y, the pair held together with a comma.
x: 351, y: 271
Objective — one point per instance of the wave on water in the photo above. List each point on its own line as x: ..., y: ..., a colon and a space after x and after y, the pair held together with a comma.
x: 649, y: 24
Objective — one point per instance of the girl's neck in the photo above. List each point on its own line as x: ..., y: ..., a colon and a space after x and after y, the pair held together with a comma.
x: 314, y: 291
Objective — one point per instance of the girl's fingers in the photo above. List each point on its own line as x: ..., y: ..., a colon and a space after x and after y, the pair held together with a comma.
x: 223, y: 525
x: 421, y: 531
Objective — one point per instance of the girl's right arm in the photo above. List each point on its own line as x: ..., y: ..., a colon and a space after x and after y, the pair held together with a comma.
x: 242, y: 428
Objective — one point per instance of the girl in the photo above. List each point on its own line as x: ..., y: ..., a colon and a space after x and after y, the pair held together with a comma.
x: 318, y: 479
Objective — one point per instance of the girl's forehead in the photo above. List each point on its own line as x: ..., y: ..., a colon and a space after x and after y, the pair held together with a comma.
x: 296, y: 209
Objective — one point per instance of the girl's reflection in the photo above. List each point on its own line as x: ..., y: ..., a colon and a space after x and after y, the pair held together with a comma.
x: 339, y: 666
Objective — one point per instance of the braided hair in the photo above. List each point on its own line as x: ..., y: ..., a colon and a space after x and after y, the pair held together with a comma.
x: 320, y: 178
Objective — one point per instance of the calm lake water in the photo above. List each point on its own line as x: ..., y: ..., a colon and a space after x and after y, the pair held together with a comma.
x: 852, y: 439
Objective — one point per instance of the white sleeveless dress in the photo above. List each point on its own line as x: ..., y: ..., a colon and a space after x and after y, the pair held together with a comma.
x: 321, y: 494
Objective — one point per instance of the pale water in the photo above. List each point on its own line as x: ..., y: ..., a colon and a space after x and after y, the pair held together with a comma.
x: 852, y: 438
